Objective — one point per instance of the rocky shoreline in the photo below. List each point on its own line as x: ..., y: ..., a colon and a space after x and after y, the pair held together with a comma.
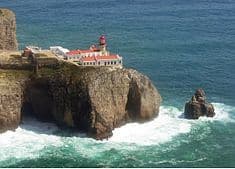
x: 94, y: 100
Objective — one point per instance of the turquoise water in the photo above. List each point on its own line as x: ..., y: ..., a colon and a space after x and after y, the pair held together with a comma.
x: 180, y: 45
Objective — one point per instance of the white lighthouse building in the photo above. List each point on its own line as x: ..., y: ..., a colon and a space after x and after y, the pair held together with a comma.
x: 95, y: 56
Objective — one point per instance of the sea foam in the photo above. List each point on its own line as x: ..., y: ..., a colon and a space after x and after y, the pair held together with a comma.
x: 167, y: 125
x: 161, y: 129
x: 27, y: 140
x: 32, y: 136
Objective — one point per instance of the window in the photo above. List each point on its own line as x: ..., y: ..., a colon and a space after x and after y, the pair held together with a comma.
x: 98, y: 63
x: 115, y: 62
x: 93, y: 63
x: 111, y: 62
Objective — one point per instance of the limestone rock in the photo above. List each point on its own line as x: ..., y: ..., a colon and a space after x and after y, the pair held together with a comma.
x: 12, y: 84
x: 7, y: 30
x: 95, y: 100
x: 198, y: 106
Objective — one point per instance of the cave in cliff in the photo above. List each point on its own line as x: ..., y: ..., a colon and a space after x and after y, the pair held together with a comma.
x: 37, y: 102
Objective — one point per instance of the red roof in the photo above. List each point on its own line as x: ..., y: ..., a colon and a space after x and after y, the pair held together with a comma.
x: 107, y: 57
x: 97, y: 58
x: 88, y: 59
x: 87, y: 51
x: 73, y: 52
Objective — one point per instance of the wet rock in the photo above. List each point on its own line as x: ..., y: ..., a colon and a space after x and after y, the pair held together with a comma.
x: 198, y: 106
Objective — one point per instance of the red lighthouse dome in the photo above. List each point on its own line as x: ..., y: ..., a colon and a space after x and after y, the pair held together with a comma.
x: 102, y: 40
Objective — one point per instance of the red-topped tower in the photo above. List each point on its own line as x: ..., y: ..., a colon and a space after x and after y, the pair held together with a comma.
x: 102, y: 43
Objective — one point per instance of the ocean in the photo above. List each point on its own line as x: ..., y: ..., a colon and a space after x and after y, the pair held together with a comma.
x: 180, y: 45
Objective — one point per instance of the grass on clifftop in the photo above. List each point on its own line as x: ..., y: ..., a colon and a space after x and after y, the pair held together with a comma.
x: 14, y: 74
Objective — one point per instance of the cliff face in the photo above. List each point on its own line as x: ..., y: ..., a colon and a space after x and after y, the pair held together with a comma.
x: 93, y: 100
x: 7, y: 30
x: 12, y: 85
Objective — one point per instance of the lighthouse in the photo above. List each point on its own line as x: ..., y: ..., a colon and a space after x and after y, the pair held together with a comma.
x: 102, y: 44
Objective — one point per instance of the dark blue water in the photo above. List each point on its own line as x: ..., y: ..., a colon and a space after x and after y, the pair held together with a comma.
x: 180, y: 45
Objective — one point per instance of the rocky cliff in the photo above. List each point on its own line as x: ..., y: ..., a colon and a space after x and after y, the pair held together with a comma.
x: 12, y: 85
x: 93, y: 100
x: 88, y: 99
x: 7, y: 30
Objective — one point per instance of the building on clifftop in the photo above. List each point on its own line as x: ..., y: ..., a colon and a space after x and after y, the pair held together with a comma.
x: 95, y: 56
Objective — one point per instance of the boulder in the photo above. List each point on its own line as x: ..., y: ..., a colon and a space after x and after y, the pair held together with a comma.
x: 198, y: 106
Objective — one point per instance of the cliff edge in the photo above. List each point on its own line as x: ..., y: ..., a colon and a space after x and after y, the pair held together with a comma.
x: 7, y: 30
x: 94, y: 100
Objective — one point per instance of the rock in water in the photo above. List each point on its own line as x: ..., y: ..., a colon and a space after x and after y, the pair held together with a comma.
x: 198, y: 106
x: 7, y: 30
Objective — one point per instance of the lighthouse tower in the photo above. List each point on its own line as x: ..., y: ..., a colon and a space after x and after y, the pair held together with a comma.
x: 102, y: 43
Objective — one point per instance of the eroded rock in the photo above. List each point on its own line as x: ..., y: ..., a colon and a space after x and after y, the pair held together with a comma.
x: 7, y: 30
x: 95, y: 100
x: 198, y: 106
x: 12, y: 83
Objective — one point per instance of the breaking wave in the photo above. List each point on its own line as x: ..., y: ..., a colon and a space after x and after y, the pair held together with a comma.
x: 31, y: 137
x: 167, y: 125
x: 27, y: 140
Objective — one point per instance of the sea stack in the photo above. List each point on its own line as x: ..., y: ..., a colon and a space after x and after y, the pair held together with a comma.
x: 7, y: 30
x: 198, y: 106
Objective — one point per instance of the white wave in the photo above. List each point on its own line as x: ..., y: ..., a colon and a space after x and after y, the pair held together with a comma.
x: 163, y: 128
x: 223, y: 113
x: 27, y: 140
x: 31, y: 137
x: 166, y: 126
